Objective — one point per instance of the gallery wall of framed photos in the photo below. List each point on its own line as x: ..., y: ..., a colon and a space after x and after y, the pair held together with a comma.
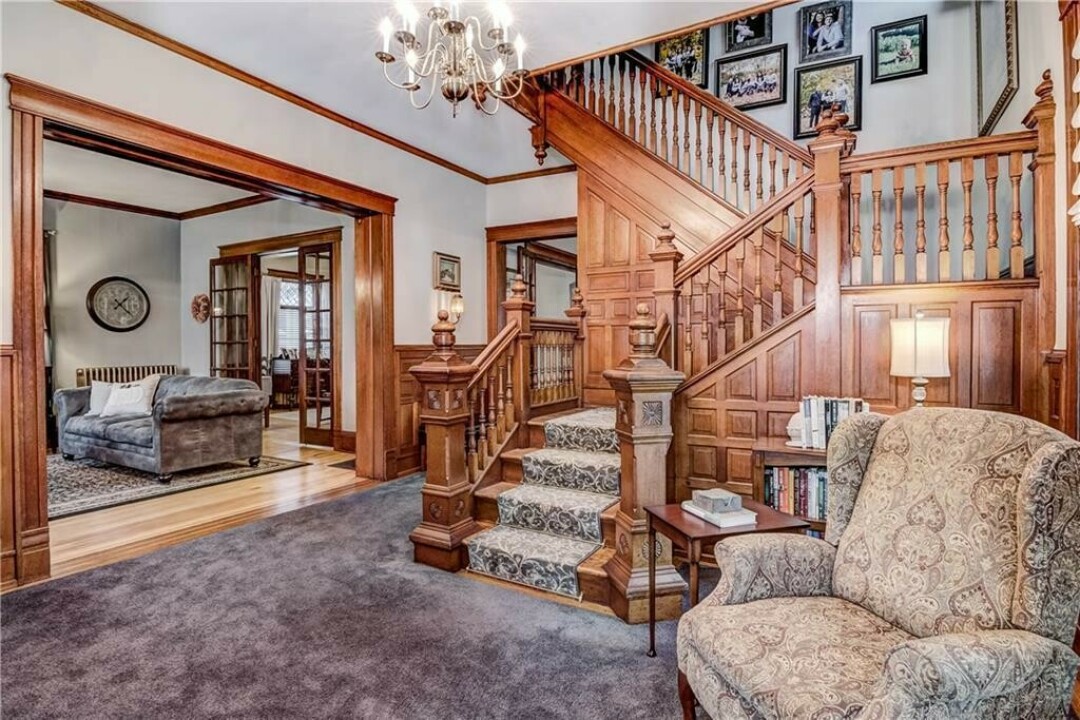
x: 882, y: 60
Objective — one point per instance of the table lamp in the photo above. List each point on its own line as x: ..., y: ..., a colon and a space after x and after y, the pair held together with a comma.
x: 920, y: 350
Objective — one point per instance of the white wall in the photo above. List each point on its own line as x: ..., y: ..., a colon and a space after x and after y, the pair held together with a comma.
x: 543, y: 198
x: 92, y: 243
x: 437, y: 209
x: 199, y: 241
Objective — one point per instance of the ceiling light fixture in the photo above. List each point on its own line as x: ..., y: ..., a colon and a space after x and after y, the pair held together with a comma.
x: 455, y: 56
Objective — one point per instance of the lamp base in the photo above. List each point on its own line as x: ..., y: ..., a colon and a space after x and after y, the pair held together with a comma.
x: 918, y: 390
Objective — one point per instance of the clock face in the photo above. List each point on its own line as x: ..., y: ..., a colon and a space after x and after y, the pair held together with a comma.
x: 118, y: 304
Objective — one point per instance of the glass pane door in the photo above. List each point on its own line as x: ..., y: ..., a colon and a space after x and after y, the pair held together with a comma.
x: 232, y: 329
x: 316, y: 346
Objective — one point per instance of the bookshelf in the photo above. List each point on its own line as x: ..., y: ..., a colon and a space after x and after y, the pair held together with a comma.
x: 773, y: 452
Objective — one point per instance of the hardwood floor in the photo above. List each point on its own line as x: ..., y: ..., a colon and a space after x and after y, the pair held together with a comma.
x: 106, y: 536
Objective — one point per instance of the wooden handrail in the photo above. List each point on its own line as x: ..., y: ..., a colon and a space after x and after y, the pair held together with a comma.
x: 554, y: 324
x: 738, y: 232
x: 493, y: 351
x: 1023, y: 141
x: 720, y: 107
x: 663, y: 332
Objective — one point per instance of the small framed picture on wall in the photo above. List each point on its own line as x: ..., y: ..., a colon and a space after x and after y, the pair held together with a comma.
x: 687, y: 56
x: 898, y: 50
x: 747, y: 32
x: 446, y: 272
x: 753, y: 80
x: 835, y: 84
x: 825, y: 30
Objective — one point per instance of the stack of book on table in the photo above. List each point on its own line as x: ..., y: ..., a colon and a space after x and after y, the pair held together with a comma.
x: 720, y: 507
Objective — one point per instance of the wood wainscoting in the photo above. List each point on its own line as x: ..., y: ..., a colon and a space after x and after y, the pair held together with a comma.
x: 409, y: 443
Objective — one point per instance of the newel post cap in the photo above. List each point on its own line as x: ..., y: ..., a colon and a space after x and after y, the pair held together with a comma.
x: 518, y: 299
x: 665, y: 245
x: 643, y: 333
x: 443, y: 336
x: 577, y: 305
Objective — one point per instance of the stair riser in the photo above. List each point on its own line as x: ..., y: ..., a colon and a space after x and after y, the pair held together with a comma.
x: 602, y: 479
x: 581, y: 437
x: 560, y: 579
x: 577, y: 523
x: 511, y: 470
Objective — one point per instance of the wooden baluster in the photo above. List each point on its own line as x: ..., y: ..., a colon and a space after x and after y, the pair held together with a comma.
x: 734, y: 164
x: 787, y: 170
x: 877, y: 268
x: 746, y: 171
x: 780, y: 231
x: 500, y: 400
x: 710, y: 118
x: 740, y: 292
x: 470, y: 439
x: 601, y: 96
x: 482, y: 430
x: 899, y: 270
x: 772, y: 171
x: 632, y: 128
x: 643, y: 131
x: 686, y: 136
x: 757, y: 310
x: 663, y: 125
x: 493, y: 425
x: 759, y: 151
x: 944, y: 269
x: 675, y: 142
x: 993, y: 253
x: 920, y: 222
x: 811, y: 246
x: 622, y: 94
x: 592, y: 87
x: 511, y: 413
x: 797, y: 286
x: 1016, y: 251
x: 721, y: 315
x: 688, y: 339
x: 856, y: 277
x: 721, y: 168
x: 967, y: 179
x: 700, y: 174
x: 707, y: 334
x: 612, y: 116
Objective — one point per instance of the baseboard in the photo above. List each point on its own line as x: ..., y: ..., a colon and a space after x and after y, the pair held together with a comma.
x: 345, y: 441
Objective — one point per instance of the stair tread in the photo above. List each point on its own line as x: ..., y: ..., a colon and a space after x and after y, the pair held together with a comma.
x: 559, y: 497
x: 539, y: 545
x: 563, y: 456
x: 598, y: 417
x: 493, y: 491
x: 517, y: 453
x: 540, y: 420
x: 540, y: 560
x: 582, y: 470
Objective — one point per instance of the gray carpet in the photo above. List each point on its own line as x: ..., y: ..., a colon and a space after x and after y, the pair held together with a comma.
x: 318, y: 613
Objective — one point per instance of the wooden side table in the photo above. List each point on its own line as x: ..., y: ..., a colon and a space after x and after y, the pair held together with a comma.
x: 691, y: 533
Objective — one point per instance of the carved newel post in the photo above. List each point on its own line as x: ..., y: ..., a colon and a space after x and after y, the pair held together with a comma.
x: 643, y: 385
x: 577, y: 313
x: 520, y: 308
x: 444, y: 411
x: 666, y: 258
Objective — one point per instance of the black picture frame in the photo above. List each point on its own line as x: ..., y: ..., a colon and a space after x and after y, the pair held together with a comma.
x: 877, y: 37
x: 695, y: 39
x: 760, y: 24
x: 719, y: 74
x: 853, y: 105
x: 840, y: 11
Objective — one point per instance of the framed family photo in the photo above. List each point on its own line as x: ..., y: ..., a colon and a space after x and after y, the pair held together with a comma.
x: 835, y: 84
x: 687, y: 56
x: 446, y: 272
x: 753, y: 80
x: 747, y: 32
x: 898, y: 50
x: 825, y: 30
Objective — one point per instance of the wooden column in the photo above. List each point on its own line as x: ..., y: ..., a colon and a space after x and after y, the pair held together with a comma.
x: 577, y: 313
x: 447, y: 495
x: 1044, y: 225
x: 644, y: 385
x: 832, y: 144
x: 666, y: 258
x: 520, y: 308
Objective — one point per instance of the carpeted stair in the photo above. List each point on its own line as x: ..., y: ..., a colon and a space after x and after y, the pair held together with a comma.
x: 551, y: 523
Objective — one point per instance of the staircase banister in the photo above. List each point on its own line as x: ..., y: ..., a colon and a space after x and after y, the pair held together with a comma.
x: 493, y: 351
x: 720, y: 107
x: 554, y: 324
x: 738, y: 232
x: 1022, y: 141
x: 663, y: 333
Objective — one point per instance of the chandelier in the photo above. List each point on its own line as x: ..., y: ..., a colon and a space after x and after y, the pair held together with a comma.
x: 454, y: 54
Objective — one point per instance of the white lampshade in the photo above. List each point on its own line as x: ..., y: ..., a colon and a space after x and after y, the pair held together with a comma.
x: 920, y: 347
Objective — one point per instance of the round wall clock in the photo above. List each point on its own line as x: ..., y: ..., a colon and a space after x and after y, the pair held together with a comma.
x: 118, y: 304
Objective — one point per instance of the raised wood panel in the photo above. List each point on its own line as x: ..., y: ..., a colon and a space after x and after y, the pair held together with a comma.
x: 7, y: 468
x: 742, y: 424
x: 783, y: 375
x: 741, y: 383
x: 870, y: 336
x: 996, y: 339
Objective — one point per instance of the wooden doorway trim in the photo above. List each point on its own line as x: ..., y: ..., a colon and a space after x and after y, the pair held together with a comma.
x: 37, y: 110
x: 326, y: 236
x: 498, y: 237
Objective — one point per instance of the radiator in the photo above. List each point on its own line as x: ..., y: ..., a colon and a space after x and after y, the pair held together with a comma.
x: 123, y: 374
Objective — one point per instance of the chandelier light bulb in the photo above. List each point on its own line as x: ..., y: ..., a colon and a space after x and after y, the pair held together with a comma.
x: 468, y: 36
x: 411, y: 58
x: 386, y: 27
x: 519, y: 45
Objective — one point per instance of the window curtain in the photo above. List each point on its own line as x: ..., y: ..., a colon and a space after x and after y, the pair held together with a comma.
x: 268, y: 330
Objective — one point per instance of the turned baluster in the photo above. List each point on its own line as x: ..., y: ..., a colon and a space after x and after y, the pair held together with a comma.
x: 591, y: 106
x: 663, y: 125
x: 721, y: 168
x: 612, y: 115
x: 511, y: 413
x: 740, y: 292
x: 673, y: 158
x: 772, y: 171
x: 993, y: 253
x: 898, y: 224
x: 746, y: 171
x: 622, y: 94
x: 877, y: 268
x: 759, y: 151
x: 856, y: 229
x: 735, y: 163
x: 797, y: 289
x: 500, y: 394
x: 686, y: 136
x: 601, y: 98
x: 643, y: 131
x: 920, y: 222
x: 652, y: 113
x: 788, y: 169
x: 470, y: 439
x: 493, y: 425
x: 757, y: 309
x: 709, y: 120
x: 482, y: 429
x: 967, y: 179
x: 721, y: 314
x: 700, y: 175
x: 632, y: 128
x: 688, y: 313
x: 780, y: 230
x: 1016, y: 251
x: 944, y: 269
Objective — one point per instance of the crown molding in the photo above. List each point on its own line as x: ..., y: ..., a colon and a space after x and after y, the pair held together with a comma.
x: 528, y: 175
x: 109, y: 204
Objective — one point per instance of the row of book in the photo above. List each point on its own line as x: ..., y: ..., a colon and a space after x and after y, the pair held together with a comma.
x: 821, y: 415
x: 797, y: 491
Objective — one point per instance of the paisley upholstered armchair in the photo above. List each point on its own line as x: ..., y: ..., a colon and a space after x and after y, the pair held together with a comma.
x: 947, y: 585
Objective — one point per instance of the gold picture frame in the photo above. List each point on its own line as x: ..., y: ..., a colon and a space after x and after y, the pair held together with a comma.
x: 996, y: 71
x: 446, y: 272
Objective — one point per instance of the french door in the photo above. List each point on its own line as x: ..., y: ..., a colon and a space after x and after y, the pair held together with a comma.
x: 316, y: 392
x: 234, y: 344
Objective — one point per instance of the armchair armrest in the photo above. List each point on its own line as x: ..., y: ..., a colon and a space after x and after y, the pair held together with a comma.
x: 957, y: 672
x: 232, y: 402
x: 69, y: 403
x: 755, y: 567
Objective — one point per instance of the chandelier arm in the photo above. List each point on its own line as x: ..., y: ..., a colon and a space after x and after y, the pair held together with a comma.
x: 431, y: 94
x: 515, y: 81
x: 386, y: 74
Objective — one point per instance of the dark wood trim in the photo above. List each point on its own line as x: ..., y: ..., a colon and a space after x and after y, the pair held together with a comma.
x: 8, y: 364
x: 278, y: 243
x: 345, y: 441
x: 552, y: 256
x: 536, y: 230
x: 151, y: 140
x: 121, y: 23
x: 226, y: 206
x: 1070, y: 28
x: 530, y: 174
x: 283, y: 274
x: 1056, y: 403
x: 109, y: 204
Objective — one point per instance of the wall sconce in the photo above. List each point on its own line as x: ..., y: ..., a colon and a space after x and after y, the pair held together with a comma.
x: 457, y: 308
x: 920, y: 350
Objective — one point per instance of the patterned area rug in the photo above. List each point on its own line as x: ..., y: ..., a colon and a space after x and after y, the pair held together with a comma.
x: 77, y: 486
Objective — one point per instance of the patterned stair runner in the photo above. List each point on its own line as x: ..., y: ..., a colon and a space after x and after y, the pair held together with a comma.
x: 550, y: 523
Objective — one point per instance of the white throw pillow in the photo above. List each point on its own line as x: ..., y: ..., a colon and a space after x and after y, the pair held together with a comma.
x: 99, y: 395
x: 135, y: 398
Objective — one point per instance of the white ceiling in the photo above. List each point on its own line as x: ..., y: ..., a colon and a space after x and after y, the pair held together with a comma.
x: 77, y: 171
x: 324, y: 51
